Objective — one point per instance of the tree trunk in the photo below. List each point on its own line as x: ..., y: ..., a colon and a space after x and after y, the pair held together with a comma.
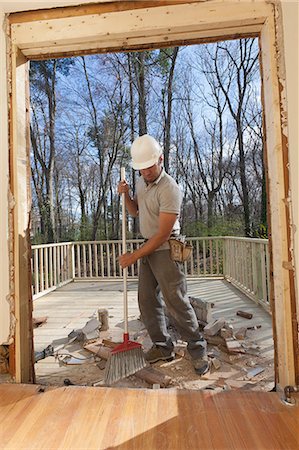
x: 132, y: 135
x: 169, y: 109
x: 140, y: 79
x: 245, y: 197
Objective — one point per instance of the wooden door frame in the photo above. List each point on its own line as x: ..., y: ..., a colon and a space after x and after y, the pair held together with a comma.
x: 120, y: 26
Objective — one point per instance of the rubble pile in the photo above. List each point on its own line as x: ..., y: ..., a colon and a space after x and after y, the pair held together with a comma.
x: 235, y: 360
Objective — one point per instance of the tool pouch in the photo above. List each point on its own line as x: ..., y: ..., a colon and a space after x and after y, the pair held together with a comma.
x: 179, y: 250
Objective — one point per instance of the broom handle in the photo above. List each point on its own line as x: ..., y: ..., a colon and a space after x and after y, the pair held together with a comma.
x: 124, y: 250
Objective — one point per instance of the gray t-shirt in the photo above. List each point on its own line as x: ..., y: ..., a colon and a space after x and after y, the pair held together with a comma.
x: 163, y: 195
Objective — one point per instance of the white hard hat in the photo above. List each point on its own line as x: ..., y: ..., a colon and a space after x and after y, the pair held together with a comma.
x: 145, y: 152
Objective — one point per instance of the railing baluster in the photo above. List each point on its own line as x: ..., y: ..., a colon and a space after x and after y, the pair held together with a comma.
x: 46, y: 268
x: 108, y: 260
x: 78, y: 260
x: 240, y: 265
x: 36, y: 271
x: 114, y: 259
x: 263, y: 271
x: 73, y: 270
x: 254, y: 268
x: 96, y: 265
x: 90, y: 261
x: 249, y: 268
x: 211, y: 256
x: 84, y: 260
x: 63, y: 263
x: 66, y: 261
x: 204, y: 258
x: 41, y: 269
x: 58, y: 264
x: 55, y: 265
x: 51, y: 265
x: 191, y: 264
x: 102, y: 261
x: 197, y: 258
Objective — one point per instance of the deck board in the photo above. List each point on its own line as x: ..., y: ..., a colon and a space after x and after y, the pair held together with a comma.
x: 71, y: 306
x: 104, y: 418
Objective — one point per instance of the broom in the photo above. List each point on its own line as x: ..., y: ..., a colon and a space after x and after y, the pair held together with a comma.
x: 126, y: 358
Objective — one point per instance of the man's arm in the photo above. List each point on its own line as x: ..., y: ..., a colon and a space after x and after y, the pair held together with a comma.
x: 131, y: 203
x: 166, y: 222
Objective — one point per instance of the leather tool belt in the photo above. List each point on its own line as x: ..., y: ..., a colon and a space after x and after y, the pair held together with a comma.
x: 179, y: 249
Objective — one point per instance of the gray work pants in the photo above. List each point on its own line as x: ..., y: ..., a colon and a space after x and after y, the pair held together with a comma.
x: 158, y: 273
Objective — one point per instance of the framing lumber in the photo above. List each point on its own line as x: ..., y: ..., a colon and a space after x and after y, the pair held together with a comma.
x: 129, y: 29
x: 22, y: 348
x: 93, y: 8
x: 164, y: 24
x: 282, y: 292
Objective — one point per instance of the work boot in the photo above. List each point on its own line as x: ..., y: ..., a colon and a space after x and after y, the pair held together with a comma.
x: 159, y: 354
x: 201, y: 365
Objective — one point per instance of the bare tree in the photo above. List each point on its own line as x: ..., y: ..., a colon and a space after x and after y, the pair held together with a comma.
x: 107, y: 136
x: 235, y: 66
x: 43, y: 77
x: 167, y: 100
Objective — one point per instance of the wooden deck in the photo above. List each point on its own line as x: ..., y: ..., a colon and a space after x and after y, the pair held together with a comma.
x: 104, y: 418
x: 71, y: 306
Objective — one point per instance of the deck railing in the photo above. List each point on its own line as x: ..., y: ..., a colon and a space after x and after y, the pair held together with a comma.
x: 246, y: 265
x: 51, y: 266
x: 242, y: 261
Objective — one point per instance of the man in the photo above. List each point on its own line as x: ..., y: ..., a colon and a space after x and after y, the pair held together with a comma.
x: 157, y: 203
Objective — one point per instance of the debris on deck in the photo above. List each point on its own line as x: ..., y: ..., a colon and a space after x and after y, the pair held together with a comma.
x: 244, y: 314
x: 48, y: 351
x: 235, y: 358
x: 38, y: 321
x: 90, y: 331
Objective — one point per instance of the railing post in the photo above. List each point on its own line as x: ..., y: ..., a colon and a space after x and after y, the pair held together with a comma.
x: 224, y: 265
x: 73, y: 260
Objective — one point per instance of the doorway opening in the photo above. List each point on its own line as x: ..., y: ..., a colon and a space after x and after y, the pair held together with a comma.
x: 203, y: 104
x: 190, y: 23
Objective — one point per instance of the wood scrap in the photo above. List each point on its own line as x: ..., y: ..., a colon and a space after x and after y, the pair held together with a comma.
x: 241, y: 333
x: 153, y: 376
x: 103, y: 319
x: 202, y: 309
x: 234, y: 346
x: 254, y: 327
x: 110, y: 344
x: 99, y: 349
x: 213, y: 327
x: 244, y: 314
x: 216, y: 363
x: 214, y: 340
x: 226, y: 332
x: 256, y: 371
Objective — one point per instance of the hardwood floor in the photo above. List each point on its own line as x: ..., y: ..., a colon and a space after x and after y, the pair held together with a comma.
x: 109, y: 418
